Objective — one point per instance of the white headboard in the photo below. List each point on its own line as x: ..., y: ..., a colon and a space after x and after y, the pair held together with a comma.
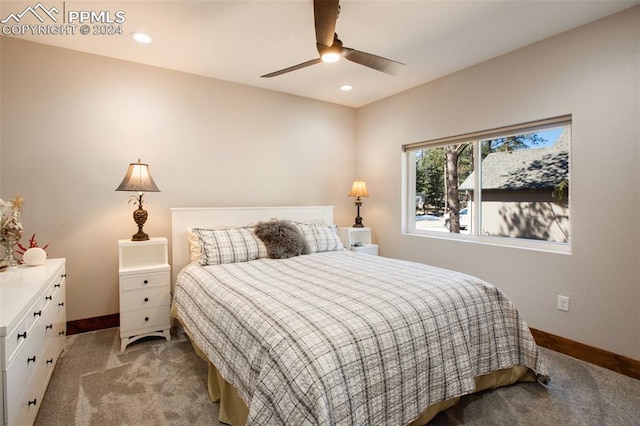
x: 183, y: 218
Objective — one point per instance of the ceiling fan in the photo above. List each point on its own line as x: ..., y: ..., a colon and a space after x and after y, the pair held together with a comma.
x: 330, y: 47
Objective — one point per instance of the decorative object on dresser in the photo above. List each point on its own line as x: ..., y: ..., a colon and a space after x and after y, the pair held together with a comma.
x: 138, y: 179
x: 10, y: 227
x: 145, y: 294
x: 34, y: 256
x: 33, y: 324
x: 358, y: 189
x: 32, y: 244
x: 358, y: 239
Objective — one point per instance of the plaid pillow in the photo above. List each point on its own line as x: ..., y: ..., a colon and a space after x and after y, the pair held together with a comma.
x: 307, y: 231
x: 231, y: 245
x: 327, y: 238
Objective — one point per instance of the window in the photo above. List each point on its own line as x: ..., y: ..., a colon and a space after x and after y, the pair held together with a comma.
x: 506, y: 186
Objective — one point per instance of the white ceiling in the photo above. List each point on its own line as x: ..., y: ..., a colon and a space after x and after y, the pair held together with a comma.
x: 240, y: 40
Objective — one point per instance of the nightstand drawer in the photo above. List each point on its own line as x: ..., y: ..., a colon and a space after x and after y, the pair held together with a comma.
x: 144, y: 280
x: 144, y: 319
x: 366, y: 248
x: 144, y: 298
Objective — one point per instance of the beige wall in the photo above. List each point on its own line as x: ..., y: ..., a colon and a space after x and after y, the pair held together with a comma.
x: 71, y: 123
x: 591, y: 72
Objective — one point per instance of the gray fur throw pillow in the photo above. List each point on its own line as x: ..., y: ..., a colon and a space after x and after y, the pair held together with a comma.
x: 282, y: 238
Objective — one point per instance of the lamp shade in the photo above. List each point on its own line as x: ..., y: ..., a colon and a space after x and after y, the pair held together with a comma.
x: 138, y: 179
x: 358, y: 189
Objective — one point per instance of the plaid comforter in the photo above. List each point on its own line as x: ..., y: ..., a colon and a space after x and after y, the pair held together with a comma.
x: 349, y: 338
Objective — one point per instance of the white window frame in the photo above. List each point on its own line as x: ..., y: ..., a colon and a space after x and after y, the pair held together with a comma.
x: 408, y: 221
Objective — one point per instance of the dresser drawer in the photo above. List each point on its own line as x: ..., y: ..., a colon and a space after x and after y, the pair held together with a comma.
x: 15, y: 339
x: 23, y: 410
x: 143, y: 320
x: 144, y: 280
x: 26, y: 327
x: 21, y: 370
x: 144, y: 298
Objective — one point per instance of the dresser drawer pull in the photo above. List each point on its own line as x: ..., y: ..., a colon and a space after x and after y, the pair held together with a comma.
x: 61, y: 304
x: 37, y: 314
x: 32, y: 359
x: 57, y: 285
x: 50, y: 361
x: 63, y: 276
x: 146, y: 299
x: 22, y: 335
x: 61, y: 333
x: 49, y: 327
x: 48, y: 297
x: 146, y: 281
x: 35, y: 400
x: 146, y: 318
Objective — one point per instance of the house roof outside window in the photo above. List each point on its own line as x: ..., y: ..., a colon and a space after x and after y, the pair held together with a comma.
x: 537, y: 168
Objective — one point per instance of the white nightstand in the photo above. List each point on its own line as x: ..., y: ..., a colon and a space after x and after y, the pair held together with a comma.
x: 358, y: 239
x: 145, y: 294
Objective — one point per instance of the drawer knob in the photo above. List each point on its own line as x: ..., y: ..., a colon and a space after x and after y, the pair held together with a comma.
x: 146, y: 299
x: 32, y: 402
x: 57, y: 285
x: 61, y: 304
x: 63, y: 276
x: 61, y: 333
x: 32, y: 359
x: 22, y: 335
x: 49, y: 327
x: 37, y: 314
x: 146, y: 281
x: 48, y: 297
x: 50, y: 361
x: 146, y: 318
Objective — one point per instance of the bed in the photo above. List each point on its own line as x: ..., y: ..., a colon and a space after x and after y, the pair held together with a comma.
x: 326, y: 336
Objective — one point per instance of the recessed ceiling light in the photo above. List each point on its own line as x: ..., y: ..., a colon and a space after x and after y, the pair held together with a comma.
x: 346, y: 87
x: 141, y: 38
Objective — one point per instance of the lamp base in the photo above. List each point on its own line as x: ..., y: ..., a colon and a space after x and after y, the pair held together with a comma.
x: 140, y: 236
x: 358, y: 223
x: 140, y: 217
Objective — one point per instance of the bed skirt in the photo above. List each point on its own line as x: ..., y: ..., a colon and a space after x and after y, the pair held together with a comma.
x: 234, y: 411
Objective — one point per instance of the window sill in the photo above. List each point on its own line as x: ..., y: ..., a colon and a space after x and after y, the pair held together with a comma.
x: 511, y: 243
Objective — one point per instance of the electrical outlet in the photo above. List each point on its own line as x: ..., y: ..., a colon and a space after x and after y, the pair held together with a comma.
x: 563, y: 303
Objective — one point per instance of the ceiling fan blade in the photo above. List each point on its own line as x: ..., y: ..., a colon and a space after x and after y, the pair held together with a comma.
x: 293, y: 68
x: 325, y: 13
x: 373, y: 61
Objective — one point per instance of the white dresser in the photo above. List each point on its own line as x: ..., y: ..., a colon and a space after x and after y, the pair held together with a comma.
x: 33, y: 325
x: 145, y: 293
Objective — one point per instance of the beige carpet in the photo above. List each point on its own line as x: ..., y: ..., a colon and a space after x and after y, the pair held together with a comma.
x: 159, y: 383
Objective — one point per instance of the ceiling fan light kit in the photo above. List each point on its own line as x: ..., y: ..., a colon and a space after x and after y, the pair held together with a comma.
x: 330, y: 57
x: 330, y: 47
